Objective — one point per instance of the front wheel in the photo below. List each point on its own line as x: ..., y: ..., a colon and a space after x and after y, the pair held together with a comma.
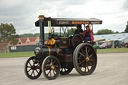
x: 33, y: 68
x: 51, y: 67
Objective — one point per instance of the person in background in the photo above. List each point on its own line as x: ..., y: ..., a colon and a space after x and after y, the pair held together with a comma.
x: 87, y: 34
x: 78, y: 30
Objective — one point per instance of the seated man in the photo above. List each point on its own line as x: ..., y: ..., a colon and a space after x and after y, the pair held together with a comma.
x: 78, y: 30
x: 87, y: 34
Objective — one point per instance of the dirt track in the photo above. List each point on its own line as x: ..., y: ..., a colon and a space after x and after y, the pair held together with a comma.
x: 112, y: 69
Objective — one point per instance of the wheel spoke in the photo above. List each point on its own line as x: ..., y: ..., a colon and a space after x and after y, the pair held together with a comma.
x: 56, y: 66
x: 33, y: 72
x: 82, y: 50
x: 91, y: 60
x: 30, y: 64
x: 54, y: 72
x: 49, y: 72
x: 46, y: 68
x: 38, y: 65
x: 51, y: 62
x: 86, y: 49
x: 81, y: 54
x: 87, y: 66
x: 33, y: 61
x: 84, y: 69
x: 90, y: 55
x: 36, y: 71
x: 82, y: 62
x: 29, y: 70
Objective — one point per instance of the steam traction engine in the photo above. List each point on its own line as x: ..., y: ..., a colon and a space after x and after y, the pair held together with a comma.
x: 60, y: 54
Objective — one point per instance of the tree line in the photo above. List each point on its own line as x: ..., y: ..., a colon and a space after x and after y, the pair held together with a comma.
x: 8, y: 33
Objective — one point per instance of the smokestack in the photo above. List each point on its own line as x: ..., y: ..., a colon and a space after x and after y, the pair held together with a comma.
x: 41, y: 24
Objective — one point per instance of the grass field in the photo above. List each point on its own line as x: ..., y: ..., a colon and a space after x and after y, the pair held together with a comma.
x: 112, y: 50
x: 16, y: 54
x: 31, y: 53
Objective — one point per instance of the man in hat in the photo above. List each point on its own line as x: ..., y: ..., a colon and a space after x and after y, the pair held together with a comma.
x: 87, y: 34
x: 78, y: 30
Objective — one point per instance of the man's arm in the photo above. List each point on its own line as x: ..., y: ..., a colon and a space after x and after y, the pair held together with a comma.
x: 90, y: 30
x: 83, y: 33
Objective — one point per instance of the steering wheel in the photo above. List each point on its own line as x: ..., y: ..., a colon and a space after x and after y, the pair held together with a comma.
x: 76, y: 40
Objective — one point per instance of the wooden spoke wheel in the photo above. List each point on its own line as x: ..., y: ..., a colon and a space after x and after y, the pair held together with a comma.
x: 65, y: 70
x: 76, y: 40
x: 84, y: 59
x: 32, y: 68
x: 51, y: 67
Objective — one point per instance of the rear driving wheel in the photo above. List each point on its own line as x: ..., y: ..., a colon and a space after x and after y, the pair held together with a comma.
x: 84, y: 59
x: 51, y: 67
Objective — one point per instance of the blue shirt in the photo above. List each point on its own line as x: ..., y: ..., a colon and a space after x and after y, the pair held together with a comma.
x: 87, y: 34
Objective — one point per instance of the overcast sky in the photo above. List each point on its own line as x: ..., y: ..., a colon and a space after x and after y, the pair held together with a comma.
x: 24, y: 13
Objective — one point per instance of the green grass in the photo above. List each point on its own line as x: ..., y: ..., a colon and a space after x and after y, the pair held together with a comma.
x: 113, y: 50
x: 31, y: 53
x: 16, y: 54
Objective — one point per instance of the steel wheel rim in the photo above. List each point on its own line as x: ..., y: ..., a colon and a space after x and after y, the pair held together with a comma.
x: 51, y: 68
x: 32, y: 69
x: 84, y: 64
x: 85, y: 59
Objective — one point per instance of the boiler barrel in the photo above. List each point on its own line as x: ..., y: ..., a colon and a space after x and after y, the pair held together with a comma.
x: 51, y: 51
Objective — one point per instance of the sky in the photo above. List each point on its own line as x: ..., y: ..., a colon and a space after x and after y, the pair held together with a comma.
x: 23, y: 13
